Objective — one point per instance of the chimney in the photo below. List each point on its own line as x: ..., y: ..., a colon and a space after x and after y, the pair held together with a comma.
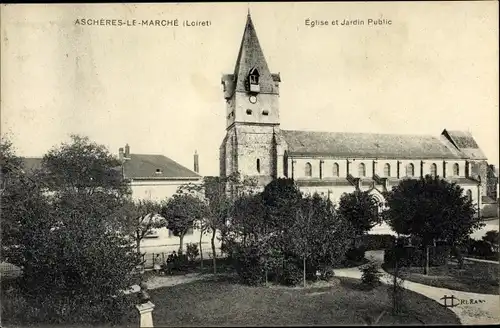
x: 120, y: 153
x: 127, y: 151
x: 196, y: 163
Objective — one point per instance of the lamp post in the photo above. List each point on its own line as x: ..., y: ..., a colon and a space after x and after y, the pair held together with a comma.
x: 479, y: 197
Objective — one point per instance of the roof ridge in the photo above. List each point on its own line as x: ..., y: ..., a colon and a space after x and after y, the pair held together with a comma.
x: 365, y: 133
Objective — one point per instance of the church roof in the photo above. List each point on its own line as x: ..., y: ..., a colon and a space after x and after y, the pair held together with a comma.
x: 251, y: 56
x: 143, y: 166
x: 366, y: 145
x: 464, y: 141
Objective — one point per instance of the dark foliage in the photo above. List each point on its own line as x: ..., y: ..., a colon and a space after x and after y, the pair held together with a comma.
x: 414, y: 256
x: 355, y: 254
x: 370, y: 277
x: 377, y: 242
x: 75, y: 264
x: 431, y: 209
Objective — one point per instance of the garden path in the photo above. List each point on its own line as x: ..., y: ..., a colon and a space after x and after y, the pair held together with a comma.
x: 480, y: 308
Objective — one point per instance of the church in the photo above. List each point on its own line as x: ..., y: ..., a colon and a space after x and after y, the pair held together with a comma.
x: 332, y: 163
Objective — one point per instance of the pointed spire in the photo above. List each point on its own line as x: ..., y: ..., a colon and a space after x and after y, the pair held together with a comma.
x: 251, y: 56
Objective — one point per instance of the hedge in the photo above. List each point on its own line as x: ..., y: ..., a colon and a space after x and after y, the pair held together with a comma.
x: 377, y: 242
x: 414, y: 256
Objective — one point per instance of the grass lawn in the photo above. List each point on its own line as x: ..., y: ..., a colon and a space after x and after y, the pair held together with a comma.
x: 475, y: 277
x: 227, y: 303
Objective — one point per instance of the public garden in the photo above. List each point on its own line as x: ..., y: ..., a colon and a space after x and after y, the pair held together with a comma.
x: 74, y: 234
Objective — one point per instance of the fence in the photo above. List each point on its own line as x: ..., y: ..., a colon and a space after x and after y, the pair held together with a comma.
x: 8, y: 270
x: 151, y: 258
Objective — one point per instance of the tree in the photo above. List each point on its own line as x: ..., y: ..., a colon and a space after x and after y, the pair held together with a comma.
x: 213, y: 191
x: 74, y: 262
x: 361, y: 210
x: 431, y: 209
x: 84, y: 166
x: 329, y: 234
x: 140, y: 218
x: 301, y: 232
x: 282, y: 199
x: 23, y: 203
x: 181, y: 211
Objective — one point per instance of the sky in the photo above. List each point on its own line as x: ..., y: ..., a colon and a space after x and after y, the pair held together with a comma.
x: 158, y: 88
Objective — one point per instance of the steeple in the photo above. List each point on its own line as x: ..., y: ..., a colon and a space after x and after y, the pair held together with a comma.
x: 251, y: 59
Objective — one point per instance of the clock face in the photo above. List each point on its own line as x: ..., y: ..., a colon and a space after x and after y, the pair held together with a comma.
x: 253, y: 99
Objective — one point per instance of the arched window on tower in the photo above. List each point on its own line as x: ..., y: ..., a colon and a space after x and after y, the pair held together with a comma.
x: 456, y: 169
x: 410, y: 170
x: 258, y: 165
x: 308, y: 169
x: 362, y: 170
x: 253, y: 80
x: 335, y: 170
x: 433, y: 169
x: 387, y: 170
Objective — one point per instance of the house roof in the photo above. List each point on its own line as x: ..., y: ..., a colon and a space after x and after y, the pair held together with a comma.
x: 464, y: 141
x: 366, y: 145
x: 143, y: 166
x: 138, y: 166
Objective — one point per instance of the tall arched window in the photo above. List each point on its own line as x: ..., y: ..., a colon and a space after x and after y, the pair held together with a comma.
x: 410, y: 170
x: 433, y: 169
x: 456, y: 170
x: 469, y: 195
x: 362, y: 170
x: 335, y: 170
x: 308, y: 170
x: 258, y: 165
x: 387, y: 170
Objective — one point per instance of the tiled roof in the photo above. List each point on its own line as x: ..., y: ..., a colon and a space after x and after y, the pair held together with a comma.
x: 465, y: 142
x: 366, y: 145
x: 141, y: 166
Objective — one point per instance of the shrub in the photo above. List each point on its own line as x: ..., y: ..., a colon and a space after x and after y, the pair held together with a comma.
x: 180, y: 261
x: 370, y: 275
x: 248, y: 264
x: 192, y: 251
x: 355, y: 254
x: 480, y: 248
x: 377, y: 242
x: 293, y: 273
x: 413, y: 256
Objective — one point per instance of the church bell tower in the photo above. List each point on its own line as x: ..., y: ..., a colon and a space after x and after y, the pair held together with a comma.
x: 252, y: 113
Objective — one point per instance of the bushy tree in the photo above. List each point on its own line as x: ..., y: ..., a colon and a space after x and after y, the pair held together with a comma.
x: 75, y: 263
x: 431, y: 209
x: 361, y: 209
x: 23, y: 204
x: 181, y: 211
x: 326, y: 234
x: 84, y: 166
x: 285, y: 234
